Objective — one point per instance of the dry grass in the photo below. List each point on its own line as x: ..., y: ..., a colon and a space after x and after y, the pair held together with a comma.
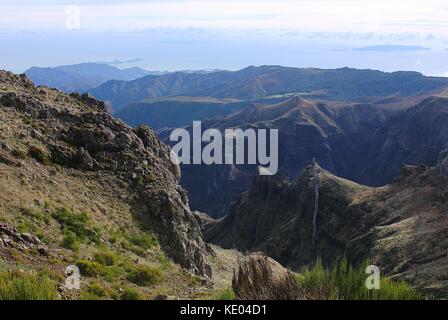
x: 256, y: 280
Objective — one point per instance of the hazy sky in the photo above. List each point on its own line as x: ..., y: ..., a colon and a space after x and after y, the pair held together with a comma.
x: 183, y: 34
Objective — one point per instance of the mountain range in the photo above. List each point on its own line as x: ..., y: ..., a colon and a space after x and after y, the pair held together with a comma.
x: 366, y: 143
x: 363, y: 171
x: 81, y: 77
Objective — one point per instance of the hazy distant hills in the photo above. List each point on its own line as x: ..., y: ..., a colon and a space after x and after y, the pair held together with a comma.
x: 177, y: 112
x: 366, y: 143
x: 263, y: 82
x: 81, y: 77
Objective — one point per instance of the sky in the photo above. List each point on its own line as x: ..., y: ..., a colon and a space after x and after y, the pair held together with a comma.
x: 223, y: 34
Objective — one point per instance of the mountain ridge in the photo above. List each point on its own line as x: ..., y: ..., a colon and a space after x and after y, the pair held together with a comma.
x: 81, y: 77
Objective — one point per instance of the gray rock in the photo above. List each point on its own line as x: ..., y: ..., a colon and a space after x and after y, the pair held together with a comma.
x: 442, y: 164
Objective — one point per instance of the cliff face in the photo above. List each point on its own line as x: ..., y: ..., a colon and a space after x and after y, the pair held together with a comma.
x: 44, y: 132
x: 365, y: 143
x: 401, y: 227
x: 442, y: 164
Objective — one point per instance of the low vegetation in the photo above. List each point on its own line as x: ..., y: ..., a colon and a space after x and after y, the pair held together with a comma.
x: 343, y: 281
x: 15, y: 285
x: 144, y: 276
x: 77, y: 224
x: 255, y: 280
x: 223, y: 294
x: 131, y: 294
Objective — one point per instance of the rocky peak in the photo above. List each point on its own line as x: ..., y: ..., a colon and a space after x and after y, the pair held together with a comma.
x: 76, y: 132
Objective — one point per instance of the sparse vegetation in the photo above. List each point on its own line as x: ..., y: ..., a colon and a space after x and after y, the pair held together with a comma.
x: 144, y: 275
x: 15, y: 285
x: 19, y: 154
x: 39, y: 154
x: 77, y: 223
x: 90, y: 268
x: 70, y: 241
x: 256, y: 281
x: 223, y: 294
x: 345, y: 282
x: 97, y: 291
x: 106, y: 257
x: 130, y: 294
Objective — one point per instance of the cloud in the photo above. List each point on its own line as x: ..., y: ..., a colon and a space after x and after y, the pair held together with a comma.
x: 118, y: 62
x: 392, y: 48
x: 365, y: 16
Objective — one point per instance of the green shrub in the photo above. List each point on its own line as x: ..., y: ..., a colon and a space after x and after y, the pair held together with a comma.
x: 106, y: 258
x: 91, y: 268
x: 19, y: 154
x: 195, y: 280
x: 143, y: 240
x: 346, y: 282
x: 130, y: 294
x: 70, y: 241
x: 95, y: 291
x: 76, y: 223
x: 35, y: 215
x: 144, y: 275
x: 39, y: 154
x: 224, y: 294
x: 22, y: 286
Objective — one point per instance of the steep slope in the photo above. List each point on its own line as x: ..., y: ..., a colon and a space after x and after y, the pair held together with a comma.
x: 402, y: 227
x: 81, y: 77
x: 413, y: 136
x: 337, y: 134
x: 262, y: 82
x: 61, y: 152
x: 366, y: 143
x: 176, y: 112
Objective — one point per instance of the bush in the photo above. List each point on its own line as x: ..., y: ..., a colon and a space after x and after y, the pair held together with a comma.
x: 69, y: 241
x: 19, y: 154
x: 346, y: 282
x: 130, y: 294
x: 22, y: 286
x: 106, y: 258
x: 91, y: 268
x: 94, y: 292
x: 255, y: 280
x: 224, y: 294
x: 77, y: 223
x: 143, y: 240
x: 144, y: 276
x: 39, y: 154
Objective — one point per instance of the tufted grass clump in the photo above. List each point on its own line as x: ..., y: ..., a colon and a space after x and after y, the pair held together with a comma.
x: 16, y: 285
x: 76, y: 223
x: 39, y: 154
x: 144, y: 276
x: 343, y: 281
x: 223, y: 294
x: 91, y: 268
x: 106, y: 257
x: 131, y: 294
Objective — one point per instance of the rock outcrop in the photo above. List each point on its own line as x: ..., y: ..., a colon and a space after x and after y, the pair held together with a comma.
x: 402, y: 227
x: 75, y: 132
x: 442, y: 164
